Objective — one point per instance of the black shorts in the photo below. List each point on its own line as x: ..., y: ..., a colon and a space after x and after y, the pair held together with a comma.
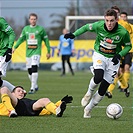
x: 66, y: 57
x: 24, y: 107
x: 126, y: 60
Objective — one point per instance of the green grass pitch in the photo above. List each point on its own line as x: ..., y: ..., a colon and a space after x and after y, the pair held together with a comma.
x: 55, y: 87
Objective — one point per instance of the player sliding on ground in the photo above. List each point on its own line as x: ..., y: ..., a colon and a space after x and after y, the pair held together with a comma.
x: 14, y: 104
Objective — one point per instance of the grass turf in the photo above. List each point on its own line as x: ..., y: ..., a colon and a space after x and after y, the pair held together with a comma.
x: 55, y: 87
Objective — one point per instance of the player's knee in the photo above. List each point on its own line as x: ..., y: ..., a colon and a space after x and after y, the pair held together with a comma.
x: 4, y: 90
x: 34, y: 68
x: 45, y: 101
x: 98, y: 75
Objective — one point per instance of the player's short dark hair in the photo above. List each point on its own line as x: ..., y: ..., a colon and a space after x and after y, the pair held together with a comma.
x: 116, y: 8
x: 21, y: 88
x: 125, y: 13
x: 17, y: 87
x: 33, y: 14
x: 110, y: 12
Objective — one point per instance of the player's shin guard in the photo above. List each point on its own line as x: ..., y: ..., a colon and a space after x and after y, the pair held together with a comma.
x: 7, y: 102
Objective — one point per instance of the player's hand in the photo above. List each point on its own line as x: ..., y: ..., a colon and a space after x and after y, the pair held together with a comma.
x: 69, y: 35
x: 73, y: 53
x: 116, y: 59
x: 48, y: 56
x: 8, y: 54
x: 67, y: 99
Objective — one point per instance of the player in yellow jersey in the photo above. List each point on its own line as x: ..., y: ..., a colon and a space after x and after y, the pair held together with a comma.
x: 126, y: 62
x: 15, y: 104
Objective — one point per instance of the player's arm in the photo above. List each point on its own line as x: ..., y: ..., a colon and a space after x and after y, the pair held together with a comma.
x: 47, y: 44
x: 5, y: 27
x: 21, y: 39
x: 127, y: 45
x: 88, y: 27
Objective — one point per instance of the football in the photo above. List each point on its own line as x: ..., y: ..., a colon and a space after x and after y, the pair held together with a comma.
x: 114, y: 111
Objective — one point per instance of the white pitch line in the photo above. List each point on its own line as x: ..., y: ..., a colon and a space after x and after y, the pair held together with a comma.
x: 95, y: 107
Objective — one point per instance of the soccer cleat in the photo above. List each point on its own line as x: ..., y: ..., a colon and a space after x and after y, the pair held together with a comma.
x: 13, y: 114
x: 127, y: 93
x: 85, y: 100
x: 108, y: 94
x: 31, y: 92
x: 61, y: 109
x: 67, y: 99
x: 87, y: 113
x: 36, y: 89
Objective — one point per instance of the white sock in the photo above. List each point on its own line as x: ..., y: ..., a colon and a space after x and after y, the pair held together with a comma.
x: 34, y: 81
x: 94, y: 101
x: 8, y: 85
x: 91, y: 87
x: 119, y: 83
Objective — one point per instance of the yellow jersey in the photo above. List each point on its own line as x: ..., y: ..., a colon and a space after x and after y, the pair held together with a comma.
x: 129, y: 28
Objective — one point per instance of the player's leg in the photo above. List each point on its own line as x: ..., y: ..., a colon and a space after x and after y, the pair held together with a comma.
x: 111, y: 88
x: 63, y: 58
x: 9, y: 101
x: 108, y: 77
x: 3, y: 68
x: 33, y: 70
x: 126, y: 75
x: 98, y: 66
x: 50, y: 106
x: 69, y: 64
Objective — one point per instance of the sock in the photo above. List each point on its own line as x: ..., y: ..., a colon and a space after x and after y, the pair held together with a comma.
x: 45, y: 112
x: 112, y: 86
x: 34, y: 81
x: 124, y: 84
x: 7, y: 102
x: 126, y: 76
x: 51, y: 107
x: 94, y: 101
x: 91, y: 87
x: 8, y: 85
x: 119, y: 83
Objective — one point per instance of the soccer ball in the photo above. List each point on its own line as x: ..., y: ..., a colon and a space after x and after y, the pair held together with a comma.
x: 114, y: 111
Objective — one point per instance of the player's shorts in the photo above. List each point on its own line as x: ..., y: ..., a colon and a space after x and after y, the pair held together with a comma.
x: 33, y: 60
x: 65, y: 57
x: 102, y: 62
x: 24, y: 107
x: 126, y: 60
x: 3, y: 66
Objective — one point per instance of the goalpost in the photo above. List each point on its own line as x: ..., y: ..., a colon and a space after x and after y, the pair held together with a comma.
x: 69, y: 24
